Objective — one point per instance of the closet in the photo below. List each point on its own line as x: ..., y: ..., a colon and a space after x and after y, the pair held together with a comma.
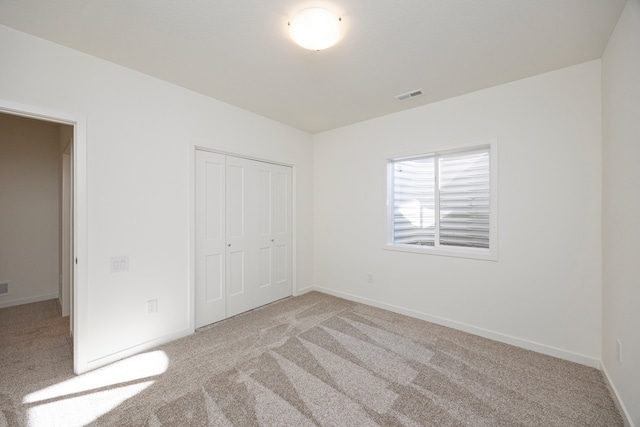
x: 243, y: 235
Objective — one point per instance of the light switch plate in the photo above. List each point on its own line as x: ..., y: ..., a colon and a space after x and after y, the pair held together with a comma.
x: 119, y: 264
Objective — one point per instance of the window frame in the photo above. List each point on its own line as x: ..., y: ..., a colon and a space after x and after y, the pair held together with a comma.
x: 490, y: 254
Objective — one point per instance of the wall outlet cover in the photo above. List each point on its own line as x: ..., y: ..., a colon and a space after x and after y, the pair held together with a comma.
x: 119, y: 264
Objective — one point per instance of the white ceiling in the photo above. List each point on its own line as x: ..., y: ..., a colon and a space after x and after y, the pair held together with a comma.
x: 238, y: 51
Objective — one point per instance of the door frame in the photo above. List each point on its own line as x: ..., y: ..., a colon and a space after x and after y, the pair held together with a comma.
x: 79, y: 245
x: 232, y: 151
x: 66, y: 219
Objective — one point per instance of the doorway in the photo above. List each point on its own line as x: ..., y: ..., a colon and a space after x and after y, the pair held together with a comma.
x: 35, y: 212
x: 71, y: 280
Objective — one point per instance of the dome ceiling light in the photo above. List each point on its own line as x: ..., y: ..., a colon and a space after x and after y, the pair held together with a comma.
x: 315, y: 28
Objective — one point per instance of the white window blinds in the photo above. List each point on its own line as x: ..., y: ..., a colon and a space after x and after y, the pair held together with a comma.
x: 414, y: 201
x: 442, y: 199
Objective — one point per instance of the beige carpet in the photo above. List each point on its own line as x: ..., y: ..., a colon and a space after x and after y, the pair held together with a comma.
x: 306, y: 361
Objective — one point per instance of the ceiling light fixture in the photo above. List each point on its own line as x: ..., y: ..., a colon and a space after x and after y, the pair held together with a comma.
x: 315, y: 28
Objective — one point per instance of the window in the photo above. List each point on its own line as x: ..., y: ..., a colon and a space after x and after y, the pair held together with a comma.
x: 444, y: 202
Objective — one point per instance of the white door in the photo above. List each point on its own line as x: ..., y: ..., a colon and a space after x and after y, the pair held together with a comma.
x: 281, y: 189
x: 241, y: 208
x: 264, y: 239
x: 66, y: 225
x: 210, y: 238
x: 274, y: 233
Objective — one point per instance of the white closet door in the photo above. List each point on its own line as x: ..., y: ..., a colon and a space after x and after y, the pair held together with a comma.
x: 242, y: 216
x: 274, y: 233
x: 210, y: 238
x: 243, y: 235
x: 281, y: 189
x: 264, y: 293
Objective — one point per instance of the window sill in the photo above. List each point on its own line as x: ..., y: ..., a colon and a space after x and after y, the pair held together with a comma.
x: 470, y: 253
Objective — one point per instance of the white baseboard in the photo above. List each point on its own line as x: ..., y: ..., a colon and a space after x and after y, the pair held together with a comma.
x: 29, y: 300
x: 106, y: 360
x: 303, y: 291
x: 496, y: 336
x: 628, y: 422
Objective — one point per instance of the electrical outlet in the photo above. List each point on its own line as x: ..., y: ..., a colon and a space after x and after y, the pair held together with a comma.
x: 119, y: 264
x: 369, y: 278
x: 152, y: 306
x: 619, y: 351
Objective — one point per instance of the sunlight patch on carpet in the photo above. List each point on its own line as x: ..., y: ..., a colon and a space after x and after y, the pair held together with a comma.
x: 82, y: 399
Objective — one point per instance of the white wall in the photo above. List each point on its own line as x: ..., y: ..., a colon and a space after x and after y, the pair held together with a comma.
x: 28, y: 209
x: 621, y: 209
x: 141, y: 134
x: 544, y: 292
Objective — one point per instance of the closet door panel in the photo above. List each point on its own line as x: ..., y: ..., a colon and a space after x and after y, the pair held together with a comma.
x: 264, y: 268
x: 210, y: 297
x: 282, y: 226
x: 265, y: 214
x: 214, y: 278
x: 281, y: 202
x: 241, y: 229
x: 236, y: 199
x: 264, y: 239
x: 236, y: 272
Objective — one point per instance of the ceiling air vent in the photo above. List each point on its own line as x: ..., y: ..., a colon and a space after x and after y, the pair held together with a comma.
x: 408, y: 95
